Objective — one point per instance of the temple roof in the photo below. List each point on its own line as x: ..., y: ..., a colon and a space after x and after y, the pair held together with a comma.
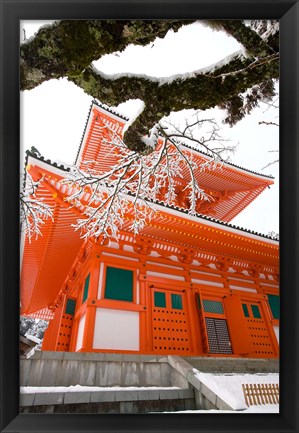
x: 231, y: 187
x: 123, y: 119
x: 62, y: 169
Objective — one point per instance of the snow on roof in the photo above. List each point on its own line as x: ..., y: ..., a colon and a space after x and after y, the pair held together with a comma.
x: 33, y: 338
x: 67, y: 168
x: 122, y: 117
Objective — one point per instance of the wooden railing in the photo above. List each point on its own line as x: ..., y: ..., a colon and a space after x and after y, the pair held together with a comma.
x: 261, y: 393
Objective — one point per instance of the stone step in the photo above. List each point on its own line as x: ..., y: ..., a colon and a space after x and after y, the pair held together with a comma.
x: 107, y: 400
x: 234, y: 365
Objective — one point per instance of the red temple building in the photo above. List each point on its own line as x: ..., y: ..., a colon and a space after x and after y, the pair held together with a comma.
x: 185, y: 285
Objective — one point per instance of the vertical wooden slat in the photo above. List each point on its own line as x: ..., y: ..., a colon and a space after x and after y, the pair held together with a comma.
x: 258, y: 394
x: 277, y: 392
x: 245, y: 394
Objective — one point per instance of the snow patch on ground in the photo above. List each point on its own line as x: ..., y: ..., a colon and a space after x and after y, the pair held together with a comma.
x: 266, y: 408
x: 81, y: 388
x: 229, y: 386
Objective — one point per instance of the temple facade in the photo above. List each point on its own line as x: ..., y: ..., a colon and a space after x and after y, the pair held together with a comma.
x: 185, y: 285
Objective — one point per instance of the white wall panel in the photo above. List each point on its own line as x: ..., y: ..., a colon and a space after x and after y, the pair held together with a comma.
x: 116, y: 329
x: 80, y: 333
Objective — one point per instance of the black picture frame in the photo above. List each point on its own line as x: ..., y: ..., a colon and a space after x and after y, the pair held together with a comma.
x: 287, y: 11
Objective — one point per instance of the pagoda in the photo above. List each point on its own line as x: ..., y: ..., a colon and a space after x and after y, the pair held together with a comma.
x: 185, y: 285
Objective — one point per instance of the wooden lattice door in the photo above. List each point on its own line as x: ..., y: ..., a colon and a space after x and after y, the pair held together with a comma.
x: 213, y: 326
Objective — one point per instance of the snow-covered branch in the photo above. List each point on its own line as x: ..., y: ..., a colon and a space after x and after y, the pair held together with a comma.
x: 124, y: 196
x: 33, y: 211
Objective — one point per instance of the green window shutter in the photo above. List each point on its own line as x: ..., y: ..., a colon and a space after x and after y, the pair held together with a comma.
x: 245, y: 310
x: 212, y: 306
x: 274, y: 306
x: 159, y: 299
x: 176, y: 301
x: 70, y: 306
x: 86, y: 287
x: 256, y: 311
x: 119, y: 284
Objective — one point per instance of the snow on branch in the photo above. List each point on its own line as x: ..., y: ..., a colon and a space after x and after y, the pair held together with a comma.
x: 124, y: 196
x: 33, y: 210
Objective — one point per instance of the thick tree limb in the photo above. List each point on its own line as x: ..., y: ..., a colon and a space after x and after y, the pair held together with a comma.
x: 67, y: 47
x: 201, y: 91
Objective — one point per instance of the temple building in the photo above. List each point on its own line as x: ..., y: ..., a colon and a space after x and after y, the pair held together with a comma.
x: 184, y: 285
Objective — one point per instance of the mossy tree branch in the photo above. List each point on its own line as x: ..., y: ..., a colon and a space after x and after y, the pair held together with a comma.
x: 67, y: 49
x: 201, y: 91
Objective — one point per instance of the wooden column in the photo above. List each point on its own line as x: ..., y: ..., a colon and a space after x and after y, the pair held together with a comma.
x: 88, y: 333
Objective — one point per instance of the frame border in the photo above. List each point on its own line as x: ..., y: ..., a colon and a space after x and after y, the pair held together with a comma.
x: 14, y: 11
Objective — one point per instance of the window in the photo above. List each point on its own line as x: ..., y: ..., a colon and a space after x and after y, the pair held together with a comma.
x: 245, y: 310
x: 70, y: 306
x: 119, y: 284
x: 274, y: 306
x: 218, y: 336
x: 159, y: 299
x: 176, y: 302
x: 213, y: 306
x: 256, y: 312
x: 86, y: 287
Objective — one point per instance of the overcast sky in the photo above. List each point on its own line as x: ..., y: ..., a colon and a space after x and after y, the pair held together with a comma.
x: 54, y: 114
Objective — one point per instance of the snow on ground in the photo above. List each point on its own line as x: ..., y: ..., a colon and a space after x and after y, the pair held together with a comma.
x: 229, y: 386
x: 81, y: 388
x: 265, y: 408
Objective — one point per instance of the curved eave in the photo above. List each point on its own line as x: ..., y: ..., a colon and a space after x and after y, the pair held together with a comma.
x: 47, y: 259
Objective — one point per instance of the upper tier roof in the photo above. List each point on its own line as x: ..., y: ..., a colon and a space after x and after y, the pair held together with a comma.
x: 231, y: 187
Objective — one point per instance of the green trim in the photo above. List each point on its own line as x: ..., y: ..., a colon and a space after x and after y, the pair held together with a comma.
x: 256, y: 311
x: 119, y: 284
x: 245, y: 310
x: 86, y: 288
x: 70, y: 306
x: 176, y: 301
x: 212, y: 306
x: 160, y: 299
x: 274, y: 303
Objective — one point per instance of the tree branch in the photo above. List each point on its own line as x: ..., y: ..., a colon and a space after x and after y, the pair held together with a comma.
x: 67, y: 47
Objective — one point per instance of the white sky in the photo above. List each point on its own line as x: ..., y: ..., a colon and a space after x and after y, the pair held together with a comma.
x: 54, y: 114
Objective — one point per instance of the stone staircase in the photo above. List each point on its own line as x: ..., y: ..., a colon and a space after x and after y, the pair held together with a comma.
x: 68, y: 382
x: 109, y: 401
